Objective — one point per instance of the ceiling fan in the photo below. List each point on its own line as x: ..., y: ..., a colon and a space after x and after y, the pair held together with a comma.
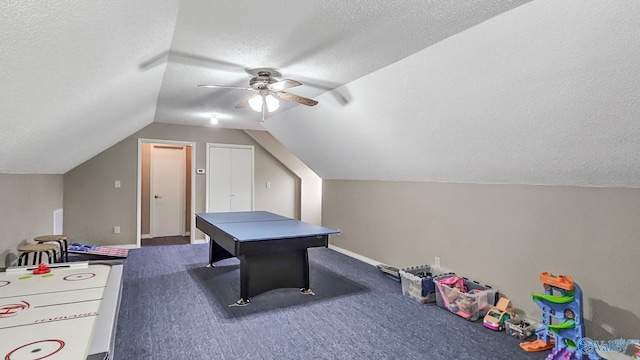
x: 267, y: 90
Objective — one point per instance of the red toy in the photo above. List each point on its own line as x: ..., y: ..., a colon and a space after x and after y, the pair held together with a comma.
x: 41, y: 269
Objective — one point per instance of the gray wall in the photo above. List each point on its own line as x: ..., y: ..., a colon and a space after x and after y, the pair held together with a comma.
x: 93, y: 205
x: 504, y: 236
x: 310, y: 183
x: 27, y: 203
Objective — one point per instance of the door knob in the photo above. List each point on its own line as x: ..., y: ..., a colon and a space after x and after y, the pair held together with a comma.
x: 156, y: 196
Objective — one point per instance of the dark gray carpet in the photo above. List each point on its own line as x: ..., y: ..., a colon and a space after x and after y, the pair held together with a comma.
x: 174, y: 308
x: 165, y: 240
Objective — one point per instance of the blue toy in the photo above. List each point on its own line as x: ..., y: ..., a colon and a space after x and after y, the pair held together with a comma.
x: 562, y: 300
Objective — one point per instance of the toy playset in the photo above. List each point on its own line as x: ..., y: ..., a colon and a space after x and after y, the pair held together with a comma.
x: 561, y: 301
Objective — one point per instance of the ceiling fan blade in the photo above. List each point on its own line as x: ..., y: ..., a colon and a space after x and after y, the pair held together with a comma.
x: 284, y: 84
x: 226, y: 87
x: 299, y: 99
x: 244, y: 102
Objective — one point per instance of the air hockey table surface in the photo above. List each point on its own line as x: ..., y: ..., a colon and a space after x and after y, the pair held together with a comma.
x: 69, y: 313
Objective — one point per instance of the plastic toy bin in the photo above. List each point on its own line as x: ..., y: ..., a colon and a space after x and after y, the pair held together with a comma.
x: 471, y: 302
x: 417, y: 282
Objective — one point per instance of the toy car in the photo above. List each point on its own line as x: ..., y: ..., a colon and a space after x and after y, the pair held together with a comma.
x: 520, y: 328
x: 496, y: 317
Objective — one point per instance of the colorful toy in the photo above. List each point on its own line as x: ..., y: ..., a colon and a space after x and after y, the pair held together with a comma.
x: 464, y: 298
x: 498, y: 314
x: 41, y: 269
x: 562, y: 300
x: 520, y: 328
x: 454, y: 282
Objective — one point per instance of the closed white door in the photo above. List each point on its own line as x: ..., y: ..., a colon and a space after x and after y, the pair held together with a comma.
x: 241, y: 175
x: 219, y: 179
x: 230, y: 178
x: 168, y: 190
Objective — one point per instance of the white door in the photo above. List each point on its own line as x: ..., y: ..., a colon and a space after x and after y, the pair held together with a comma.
x: 168, y: 190
x: 230, y: 178
x: 241, y: 189
x: 219, y: 179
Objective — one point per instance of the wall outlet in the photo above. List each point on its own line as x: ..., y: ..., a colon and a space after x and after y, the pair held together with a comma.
x: 436, y: 261
x: 117, y: 184
x: 116, y: 229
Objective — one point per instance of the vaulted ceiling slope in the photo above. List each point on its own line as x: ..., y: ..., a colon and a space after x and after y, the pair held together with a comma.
x: 79, y: 76
x: 516, y: 92
x: 70, y: 81
x: 547, y: 93
x: 323, y: 44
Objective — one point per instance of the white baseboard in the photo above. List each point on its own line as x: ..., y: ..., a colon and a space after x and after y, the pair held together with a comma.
x: 148, y: 236
x: 355, y: 255
x: 200, y: 241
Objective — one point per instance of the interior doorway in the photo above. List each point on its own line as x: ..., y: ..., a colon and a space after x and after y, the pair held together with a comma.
x: 166, y: 192
x: 167, y: 189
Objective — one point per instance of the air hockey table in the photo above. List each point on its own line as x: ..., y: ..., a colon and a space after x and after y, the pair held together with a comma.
x: 67, y: 314
x: 272, y: 249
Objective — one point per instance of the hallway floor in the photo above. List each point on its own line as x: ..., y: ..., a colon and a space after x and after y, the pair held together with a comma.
x: 165, y: 240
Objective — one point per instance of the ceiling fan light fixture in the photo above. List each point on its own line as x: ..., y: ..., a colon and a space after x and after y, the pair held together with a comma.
x: 267, y: 92
x: 272, y: 103
x: 255, y: 102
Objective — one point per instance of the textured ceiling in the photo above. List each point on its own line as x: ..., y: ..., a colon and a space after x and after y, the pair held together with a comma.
x: 323, y: 44
x: 540, y: 92
x: 548, y: 93
x: 70, y: 82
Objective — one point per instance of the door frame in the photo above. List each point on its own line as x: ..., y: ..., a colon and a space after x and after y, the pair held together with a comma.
x: 183, y: 197
x: 208, y: 171
x: 192, y: 209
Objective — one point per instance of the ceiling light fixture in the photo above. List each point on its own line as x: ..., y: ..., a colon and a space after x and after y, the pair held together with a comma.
x: 255, y: 102
x: 272, y: 103
x: 214, y: 120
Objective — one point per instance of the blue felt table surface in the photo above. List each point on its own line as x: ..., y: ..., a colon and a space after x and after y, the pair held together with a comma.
x: 262, y: 225
x: 240, y: 216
